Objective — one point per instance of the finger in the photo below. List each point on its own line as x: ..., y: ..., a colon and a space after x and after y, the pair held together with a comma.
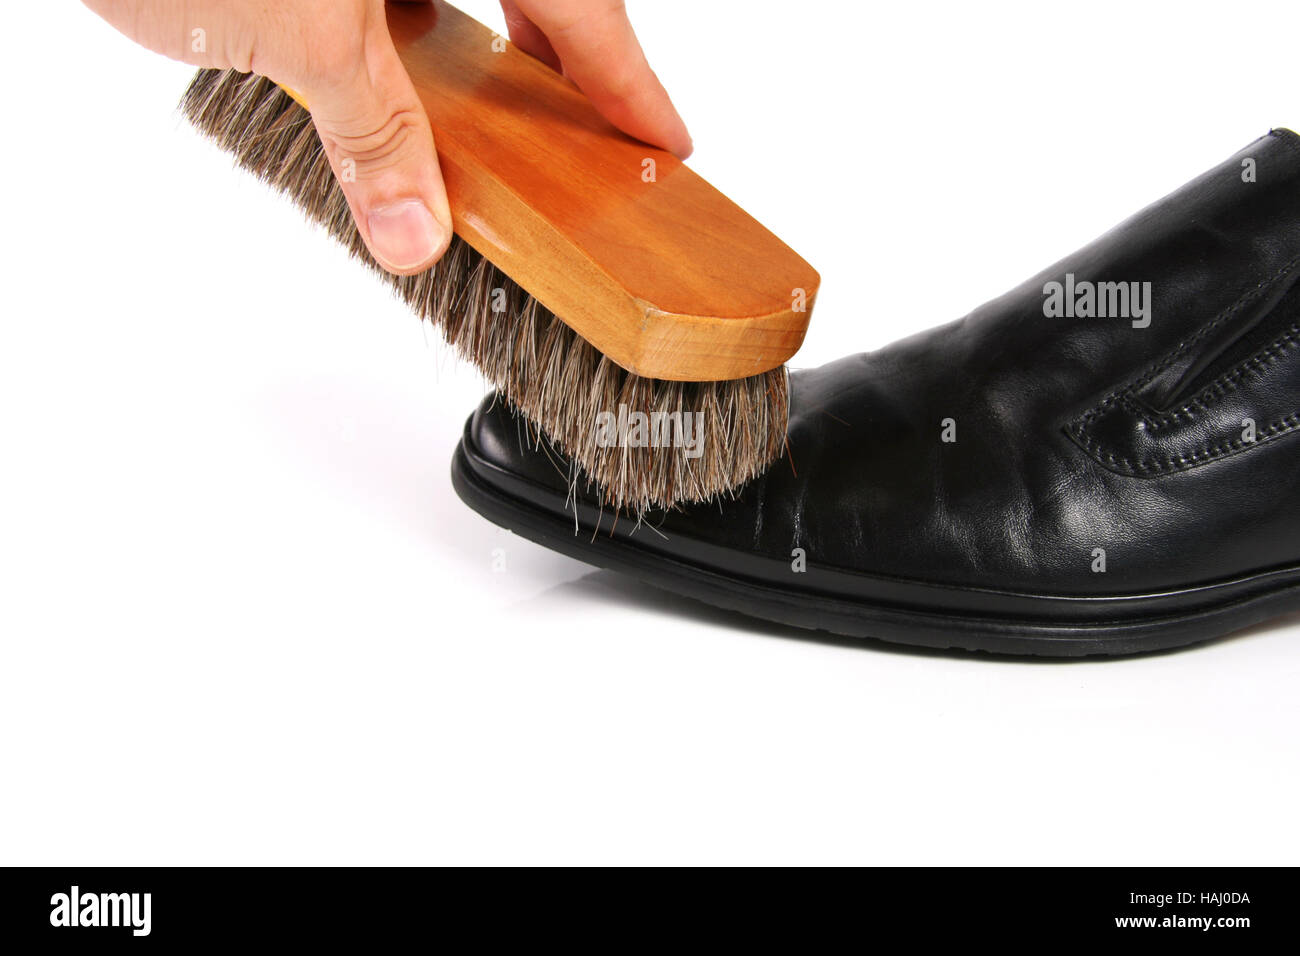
x: 215, y: 36
x: 525, y: 35
x: 380, y: 146
x: 601, y: 54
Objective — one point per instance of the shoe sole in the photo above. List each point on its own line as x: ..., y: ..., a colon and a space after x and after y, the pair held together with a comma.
x: 479, y: 483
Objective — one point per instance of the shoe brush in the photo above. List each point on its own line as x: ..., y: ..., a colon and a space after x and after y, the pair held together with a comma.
x: 589, y: 273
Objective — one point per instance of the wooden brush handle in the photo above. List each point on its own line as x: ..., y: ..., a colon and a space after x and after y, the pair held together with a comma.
x: 668, y: 278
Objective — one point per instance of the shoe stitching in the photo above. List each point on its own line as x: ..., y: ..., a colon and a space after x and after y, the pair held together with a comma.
x: 1081, y: 428
x: 1155, y: 466
x: 1221, y: 387
x: 1248, y: 299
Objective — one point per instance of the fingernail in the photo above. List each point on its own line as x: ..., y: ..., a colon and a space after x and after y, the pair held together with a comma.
x: 405, y: 234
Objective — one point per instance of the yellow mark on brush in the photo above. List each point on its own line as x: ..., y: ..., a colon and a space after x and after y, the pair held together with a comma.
x: 297, y: 97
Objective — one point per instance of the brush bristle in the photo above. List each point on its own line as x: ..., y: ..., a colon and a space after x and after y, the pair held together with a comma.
x: 545, y: 370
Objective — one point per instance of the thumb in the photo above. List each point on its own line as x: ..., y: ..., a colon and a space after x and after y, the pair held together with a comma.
x: 380, y: 146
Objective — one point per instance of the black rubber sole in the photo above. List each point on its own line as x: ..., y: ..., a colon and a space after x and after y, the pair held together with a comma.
x: 473, y: 478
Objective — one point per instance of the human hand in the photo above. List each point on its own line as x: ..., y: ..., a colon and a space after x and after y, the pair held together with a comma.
x: 339, y: 56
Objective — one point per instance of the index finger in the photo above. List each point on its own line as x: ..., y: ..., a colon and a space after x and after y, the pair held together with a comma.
x: 601, y: 54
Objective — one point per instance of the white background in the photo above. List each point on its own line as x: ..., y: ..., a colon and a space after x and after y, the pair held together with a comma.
x: 244, y: 619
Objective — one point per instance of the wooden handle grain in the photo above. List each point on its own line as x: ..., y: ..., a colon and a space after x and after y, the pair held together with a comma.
x: 664, y: 275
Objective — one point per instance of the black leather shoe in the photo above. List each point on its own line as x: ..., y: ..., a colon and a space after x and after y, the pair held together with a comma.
x: 1102, y: 461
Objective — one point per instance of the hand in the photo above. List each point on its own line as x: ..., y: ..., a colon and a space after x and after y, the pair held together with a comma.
x: 339, y: 56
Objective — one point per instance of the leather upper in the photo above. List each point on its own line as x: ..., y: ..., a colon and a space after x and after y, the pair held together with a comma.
x: 1003, y: 450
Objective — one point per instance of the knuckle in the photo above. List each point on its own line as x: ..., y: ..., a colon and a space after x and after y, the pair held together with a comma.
x: 374, y: 148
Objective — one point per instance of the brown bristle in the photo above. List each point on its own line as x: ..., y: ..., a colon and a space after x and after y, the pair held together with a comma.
x: 545, y: 370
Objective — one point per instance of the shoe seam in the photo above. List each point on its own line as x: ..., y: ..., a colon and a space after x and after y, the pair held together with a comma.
x: 1080, y: 429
